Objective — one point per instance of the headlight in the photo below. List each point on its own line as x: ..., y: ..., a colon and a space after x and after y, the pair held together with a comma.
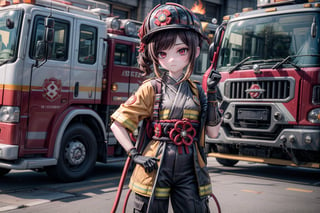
x: 113, y: 23
x: 9, y: 114
x: 316, y: 95
x: 314, y: 115
x: 130, y: 28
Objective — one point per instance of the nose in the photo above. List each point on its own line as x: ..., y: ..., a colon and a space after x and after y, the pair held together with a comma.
x: 171, y: 58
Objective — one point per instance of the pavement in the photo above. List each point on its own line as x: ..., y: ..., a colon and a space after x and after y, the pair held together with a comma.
x: 16, y: 200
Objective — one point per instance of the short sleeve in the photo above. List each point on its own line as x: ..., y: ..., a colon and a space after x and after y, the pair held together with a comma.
x: 138, y: 107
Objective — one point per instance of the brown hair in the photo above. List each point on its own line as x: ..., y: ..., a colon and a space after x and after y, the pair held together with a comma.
x: 148, y: 59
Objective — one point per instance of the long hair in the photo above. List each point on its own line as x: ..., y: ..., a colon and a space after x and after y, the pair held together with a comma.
x: 148, y: 59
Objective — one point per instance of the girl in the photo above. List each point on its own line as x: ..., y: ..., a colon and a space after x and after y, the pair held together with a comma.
x: 172, y: 165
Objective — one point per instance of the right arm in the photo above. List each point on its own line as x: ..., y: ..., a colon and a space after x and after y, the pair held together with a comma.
x: 122, y: 136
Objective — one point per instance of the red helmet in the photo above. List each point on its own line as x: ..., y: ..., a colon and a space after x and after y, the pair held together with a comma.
x: 169, y: 16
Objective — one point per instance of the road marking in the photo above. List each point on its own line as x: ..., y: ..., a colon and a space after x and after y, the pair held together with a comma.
x: 251, y: 191
x: 299, y: 190
x: 87, y: 188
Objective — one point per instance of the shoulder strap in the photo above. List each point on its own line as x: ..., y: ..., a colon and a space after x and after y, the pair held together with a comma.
x: 156, y: 83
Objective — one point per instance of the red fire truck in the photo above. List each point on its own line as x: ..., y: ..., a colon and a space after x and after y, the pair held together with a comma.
x: 269, y: 60
x: 63, y: 71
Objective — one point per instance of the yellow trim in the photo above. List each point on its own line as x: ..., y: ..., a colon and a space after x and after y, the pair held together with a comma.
x: 140, y: 189
x: 164, y: 114
x: 25, y: 88
x: 205, y: 190
x: 187, y: 113
x: 162, y: 192
x: 191, y: 114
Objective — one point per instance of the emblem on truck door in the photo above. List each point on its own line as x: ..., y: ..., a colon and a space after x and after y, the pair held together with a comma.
x: 52, y: 89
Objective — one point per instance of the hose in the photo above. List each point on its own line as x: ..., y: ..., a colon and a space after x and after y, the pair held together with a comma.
x: 216, y: 201
x: 122, y: 179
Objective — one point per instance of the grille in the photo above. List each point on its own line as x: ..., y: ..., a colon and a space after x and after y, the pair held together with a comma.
x: 273, y: 89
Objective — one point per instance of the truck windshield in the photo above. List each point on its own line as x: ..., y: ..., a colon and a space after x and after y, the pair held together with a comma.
x: 10, y: 21
x: 268, y: 40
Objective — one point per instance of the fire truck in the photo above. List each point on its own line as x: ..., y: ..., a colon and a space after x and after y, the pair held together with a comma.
x: 269, y: 61
x: 63, y: 71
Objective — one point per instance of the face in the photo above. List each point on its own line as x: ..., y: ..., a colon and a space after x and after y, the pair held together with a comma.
x: 174, y: 59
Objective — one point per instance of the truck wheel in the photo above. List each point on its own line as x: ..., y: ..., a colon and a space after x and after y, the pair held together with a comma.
x: 77, y: 156
x: 226, y: 162
x: 222, y: 161
x: 4, y: 171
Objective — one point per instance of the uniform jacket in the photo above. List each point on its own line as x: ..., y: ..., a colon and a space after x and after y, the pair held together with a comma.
x: 140, y: 106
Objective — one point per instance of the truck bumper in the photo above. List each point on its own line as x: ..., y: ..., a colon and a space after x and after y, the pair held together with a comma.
x: 304, y: 139
x: 34, y: 163
x: 8, y: 152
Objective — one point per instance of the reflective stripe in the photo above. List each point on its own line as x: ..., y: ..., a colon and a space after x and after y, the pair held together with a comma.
x: 205, y: 190
x: 140, y: 189
x: 191, y: 114
x: 162, y: 192
x: 187, y: 113
x: 36, y: 135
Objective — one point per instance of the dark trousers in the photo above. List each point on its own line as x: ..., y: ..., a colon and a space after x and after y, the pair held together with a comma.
x: 177, y: 173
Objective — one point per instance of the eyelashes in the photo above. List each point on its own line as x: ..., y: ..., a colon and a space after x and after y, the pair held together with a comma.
x: 181, y: 52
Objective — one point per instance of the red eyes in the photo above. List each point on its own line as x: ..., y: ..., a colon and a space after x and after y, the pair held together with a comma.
x: 182, y: 52
x: 162, y: 55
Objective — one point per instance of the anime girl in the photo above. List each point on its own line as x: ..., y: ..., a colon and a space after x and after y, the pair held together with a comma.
x: 172, y: 164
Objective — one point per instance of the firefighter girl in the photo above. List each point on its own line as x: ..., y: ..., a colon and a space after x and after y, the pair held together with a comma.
x: 172, y: 164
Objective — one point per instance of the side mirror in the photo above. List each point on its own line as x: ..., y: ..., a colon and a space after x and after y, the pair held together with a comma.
x: 43, y: 46
x: 49, y: 29
x: 40, y: 50
x: 9, y: 23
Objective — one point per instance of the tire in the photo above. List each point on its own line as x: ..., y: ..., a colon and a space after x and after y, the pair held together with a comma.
x: 222, y: 161
x: 4, y: 171
x: 227, y: 162
x: 77, y: 155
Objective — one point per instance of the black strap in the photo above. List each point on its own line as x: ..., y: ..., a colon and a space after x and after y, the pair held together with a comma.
x: 157, y: 85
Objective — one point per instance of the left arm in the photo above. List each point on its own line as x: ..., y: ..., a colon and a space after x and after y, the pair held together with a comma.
x: 214, y: 117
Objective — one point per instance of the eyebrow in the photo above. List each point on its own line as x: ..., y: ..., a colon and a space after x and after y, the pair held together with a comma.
x: 179, y: 44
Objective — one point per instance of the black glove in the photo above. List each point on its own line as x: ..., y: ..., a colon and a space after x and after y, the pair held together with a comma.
x: 213, y: 112
x: 149, y: 163
x: 213, y: 80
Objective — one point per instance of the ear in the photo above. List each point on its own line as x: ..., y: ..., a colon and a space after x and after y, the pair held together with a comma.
x: 197, y: 51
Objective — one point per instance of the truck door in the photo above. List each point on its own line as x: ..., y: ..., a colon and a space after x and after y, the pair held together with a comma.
x: 48, y: 83
x: 123, y: 71
x: 84, y: 63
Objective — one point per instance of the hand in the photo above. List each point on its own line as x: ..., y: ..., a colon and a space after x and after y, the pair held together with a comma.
x: 149, y: 163
x: 213, y: 80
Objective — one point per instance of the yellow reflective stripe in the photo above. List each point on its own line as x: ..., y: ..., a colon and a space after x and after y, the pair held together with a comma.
x: 190, y: 114
x: 140, y: 189
x: 187, y: 113
x: 205, y: 190
x: 164, y: 114
x: 124, y: 121
x: 162, y: 192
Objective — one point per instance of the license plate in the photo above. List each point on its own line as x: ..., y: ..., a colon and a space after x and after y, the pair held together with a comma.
x: 253, y: 114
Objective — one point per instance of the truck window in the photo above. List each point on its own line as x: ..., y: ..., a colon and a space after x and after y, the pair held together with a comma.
x: 122, y: 54
x: 10, y: 26
x: 271, y: 38
x: 87, y: 44
x: 58, y: 49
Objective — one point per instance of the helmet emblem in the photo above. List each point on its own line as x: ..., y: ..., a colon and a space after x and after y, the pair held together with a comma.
x: 162, y: 17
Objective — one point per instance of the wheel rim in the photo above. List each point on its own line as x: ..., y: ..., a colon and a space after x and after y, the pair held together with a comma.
x: 75, y: 153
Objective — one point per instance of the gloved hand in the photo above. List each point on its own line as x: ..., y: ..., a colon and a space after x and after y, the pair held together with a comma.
x: 213, y: 80
x: 149, y: 163
x: 213, y: 112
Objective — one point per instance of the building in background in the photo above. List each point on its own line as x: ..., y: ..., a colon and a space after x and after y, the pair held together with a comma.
x: 208, y: 9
